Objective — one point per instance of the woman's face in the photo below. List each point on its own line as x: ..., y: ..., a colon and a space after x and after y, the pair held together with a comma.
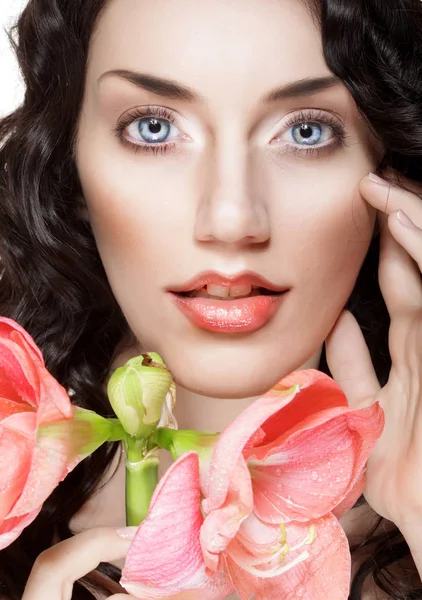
x: 231, y: 176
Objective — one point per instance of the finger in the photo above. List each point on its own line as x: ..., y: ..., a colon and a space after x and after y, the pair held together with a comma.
x: 350, y: 363
x: 388, y: 197
x: 57, y: 568
x: 409, y: 237
x: 399, y: 274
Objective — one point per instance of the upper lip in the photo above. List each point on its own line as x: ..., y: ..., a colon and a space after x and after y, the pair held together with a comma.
x: 213, y: 277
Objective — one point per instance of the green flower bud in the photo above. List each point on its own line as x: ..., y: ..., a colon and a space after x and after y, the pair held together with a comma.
x: 137, y: 392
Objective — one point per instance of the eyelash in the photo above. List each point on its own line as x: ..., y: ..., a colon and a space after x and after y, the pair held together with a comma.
x: 318, y: 117
x: 148, y: 111
x: 312, y: 116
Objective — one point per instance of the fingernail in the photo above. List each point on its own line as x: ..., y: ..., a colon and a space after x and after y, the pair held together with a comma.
x: 404, y: 219
x: 128, y: 533
x: 377, y: 179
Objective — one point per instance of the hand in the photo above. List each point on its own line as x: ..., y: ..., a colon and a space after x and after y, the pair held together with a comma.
x: 394, y: 472
x: 57, y: 568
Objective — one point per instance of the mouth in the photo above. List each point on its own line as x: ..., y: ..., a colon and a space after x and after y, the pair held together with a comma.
x: 220, y: 292
x: 211, y: 284
x: 242, y: 303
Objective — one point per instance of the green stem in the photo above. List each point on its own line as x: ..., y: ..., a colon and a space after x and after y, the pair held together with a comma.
x: 164, y: 437
x: 180, y: 441
x: 117, y: 432
x: 141, y: 479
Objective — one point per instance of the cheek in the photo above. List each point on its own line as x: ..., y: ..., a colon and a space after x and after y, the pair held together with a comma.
x: 331, y: 245
x: 323, y: 225
x: 321, y: 234
x: 133, y: 211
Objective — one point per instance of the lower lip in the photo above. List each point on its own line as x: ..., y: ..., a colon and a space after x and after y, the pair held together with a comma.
x: 243, y: 315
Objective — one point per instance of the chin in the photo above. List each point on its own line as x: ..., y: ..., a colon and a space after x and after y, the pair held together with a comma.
x: 238, y: 376
x: 225, y: 388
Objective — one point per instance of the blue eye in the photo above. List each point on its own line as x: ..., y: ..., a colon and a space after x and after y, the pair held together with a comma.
x: 151, y: 130
x: 308, y: 134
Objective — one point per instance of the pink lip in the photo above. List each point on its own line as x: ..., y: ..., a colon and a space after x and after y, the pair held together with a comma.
x: 237, y: 315
x: 242, y: 315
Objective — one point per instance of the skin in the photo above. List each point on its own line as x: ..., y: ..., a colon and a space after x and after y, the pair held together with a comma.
x: 231, y: 197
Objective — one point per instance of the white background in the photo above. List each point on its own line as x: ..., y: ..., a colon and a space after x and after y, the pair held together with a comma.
x: 11, y: 88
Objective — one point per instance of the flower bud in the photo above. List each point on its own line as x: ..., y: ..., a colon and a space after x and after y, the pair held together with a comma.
x: 137, y: 392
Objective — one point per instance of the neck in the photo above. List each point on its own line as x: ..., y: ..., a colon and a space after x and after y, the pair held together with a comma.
x: 204, y: 413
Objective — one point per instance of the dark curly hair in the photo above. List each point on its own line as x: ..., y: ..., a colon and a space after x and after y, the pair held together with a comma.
x: 52, y: 279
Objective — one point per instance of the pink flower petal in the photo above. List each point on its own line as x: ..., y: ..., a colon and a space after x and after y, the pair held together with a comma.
x: 54, y: 402
x: 32, y: 462
x: 11, y: 529
x: 24, y: 378
x: 238, y: 434
x: 352, y: 497
x: 312, y: 471
x: 318, y: 393
x: 10, y: 407
x: 49, y: 466
x: 308, y: 475
x: 165, y: 558
x: 310, y: 423
x: 222, y: 524
x: 14, y: 371
x: 9, y: 328
x: 15, y: 460
x: 258, y: 539
x: 22, y: 422
x: 232, y: 441
x: 325, y: 573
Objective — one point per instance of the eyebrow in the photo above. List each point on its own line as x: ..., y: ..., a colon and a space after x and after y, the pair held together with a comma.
x: 176, y: 91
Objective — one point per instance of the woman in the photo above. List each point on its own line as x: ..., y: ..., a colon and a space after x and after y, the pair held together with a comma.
x: 160, y: 140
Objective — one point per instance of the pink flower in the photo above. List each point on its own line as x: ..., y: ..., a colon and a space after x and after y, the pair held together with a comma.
x: 165, y: 558
x: 42, y: 437
x: 305, y: 451
x: 279, y: 477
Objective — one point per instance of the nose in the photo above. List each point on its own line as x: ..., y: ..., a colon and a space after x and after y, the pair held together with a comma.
x: 230, y: 211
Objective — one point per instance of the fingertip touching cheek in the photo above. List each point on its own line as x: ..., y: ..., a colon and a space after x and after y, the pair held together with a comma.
x: 213, y: 137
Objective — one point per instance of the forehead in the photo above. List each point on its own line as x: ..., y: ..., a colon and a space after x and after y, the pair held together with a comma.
x: 222, y: 48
